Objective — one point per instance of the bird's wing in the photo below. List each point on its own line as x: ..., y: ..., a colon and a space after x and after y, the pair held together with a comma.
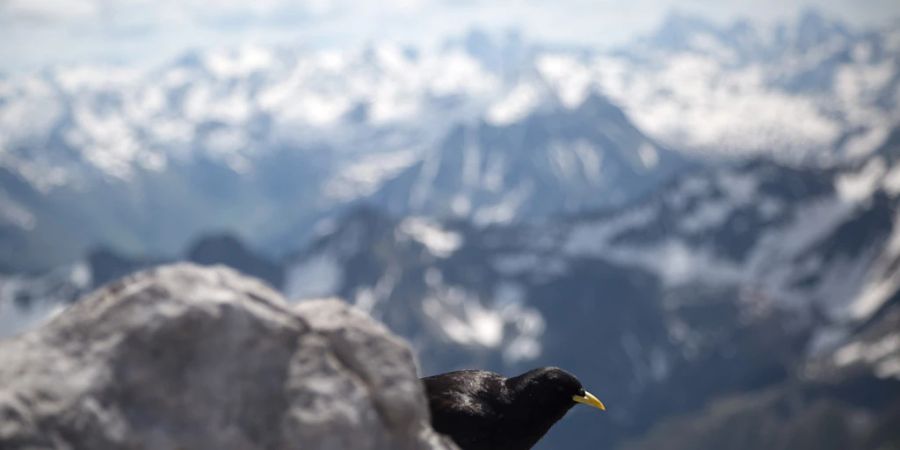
x: 463, y: 406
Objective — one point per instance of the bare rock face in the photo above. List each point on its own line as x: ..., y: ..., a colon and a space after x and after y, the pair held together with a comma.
x: 183, y: 357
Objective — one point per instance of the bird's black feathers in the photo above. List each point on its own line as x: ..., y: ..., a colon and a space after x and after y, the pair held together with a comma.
x: 482, y: 410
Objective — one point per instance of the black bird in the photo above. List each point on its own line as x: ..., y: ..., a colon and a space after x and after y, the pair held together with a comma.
x: 482, y: 410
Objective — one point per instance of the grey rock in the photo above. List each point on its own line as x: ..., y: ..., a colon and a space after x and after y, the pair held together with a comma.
x: 183, y: 357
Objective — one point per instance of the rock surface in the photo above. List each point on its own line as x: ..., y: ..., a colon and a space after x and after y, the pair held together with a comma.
x: 194, y: 358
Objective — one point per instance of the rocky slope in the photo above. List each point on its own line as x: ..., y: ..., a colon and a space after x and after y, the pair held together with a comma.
x: 729, y: 281
x: 840, y: 399
x: 182, y: 356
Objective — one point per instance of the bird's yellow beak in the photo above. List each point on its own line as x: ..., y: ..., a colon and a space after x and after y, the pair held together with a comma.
x: 590, y: 400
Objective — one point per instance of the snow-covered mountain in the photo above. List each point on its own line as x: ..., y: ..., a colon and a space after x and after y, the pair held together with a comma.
x: 703, y: 224
x: 729, y: 280
x: 550, y: 162
x: 265, y: 142
x: 787, y: 90
x: 269, y: 141
x: 145, y: 160
x: 746, y: 283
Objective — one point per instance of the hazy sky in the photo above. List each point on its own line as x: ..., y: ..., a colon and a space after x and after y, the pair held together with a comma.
x: 35, y: 33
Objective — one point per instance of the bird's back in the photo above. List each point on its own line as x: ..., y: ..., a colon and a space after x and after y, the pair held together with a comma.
x: 467, y: 405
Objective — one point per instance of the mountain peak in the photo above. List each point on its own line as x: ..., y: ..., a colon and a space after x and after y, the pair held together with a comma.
x: 500, y: 51
x: 813, y: 28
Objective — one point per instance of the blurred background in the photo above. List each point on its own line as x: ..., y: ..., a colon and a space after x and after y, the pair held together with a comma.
x: 692, y: 205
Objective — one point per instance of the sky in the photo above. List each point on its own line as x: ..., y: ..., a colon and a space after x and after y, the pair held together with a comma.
x: 39, y: 33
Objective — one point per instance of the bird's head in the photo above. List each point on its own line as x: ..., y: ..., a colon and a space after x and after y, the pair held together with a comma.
x: 552, y: 387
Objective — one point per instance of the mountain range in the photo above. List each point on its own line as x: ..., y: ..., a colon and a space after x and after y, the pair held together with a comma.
x: 744, y: 282
x: 732, y: 290
x: 703, y: 225
x: 269, y: 142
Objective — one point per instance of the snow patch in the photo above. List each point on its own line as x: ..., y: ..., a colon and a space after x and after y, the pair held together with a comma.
x: 464, y: 319
x: 501, y: 323
x: 570, y: 79
x: 240, y: 63
x: 679, y: 264
x: 13, y: 213
x: 505, y: 209
x: 891, y: 181
x: 697, y: 102
x: 882, y: 281
x: 440, y: 242
x: 859, y: 186
x: 516, y: 105
x: 365, y: 176
x: 883, y: 354
x: 707, y: 215
x: 649, y: 156
x: 590, y: 238
x: 738, y: 189
x: 862, y: 145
